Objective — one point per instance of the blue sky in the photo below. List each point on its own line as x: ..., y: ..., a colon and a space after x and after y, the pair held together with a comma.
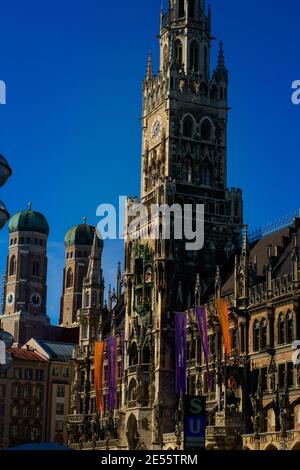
x: 71, y: 126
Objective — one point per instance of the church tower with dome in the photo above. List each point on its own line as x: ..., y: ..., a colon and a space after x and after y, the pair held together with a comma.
x: 78, y: 243
x: 25, y: 291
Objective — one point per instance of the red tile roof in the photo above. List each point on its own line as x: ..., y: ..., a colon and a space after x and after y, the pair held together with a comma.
x: 24, y: 355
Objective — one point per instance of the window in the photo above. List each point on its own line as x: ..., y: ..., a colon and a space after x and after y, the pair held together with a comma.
x: 39, y: 375
x: 290, y: 374
x: 38, y: 412
x: 206, y: 173
x: 59, y: 426
x: 256, y: 336
x: 264, y: 378
x: 26, y: 411
x: 55, y: 372
x: 281, y: 375
x: 181, y: 9
x: 194, y: 56
x: 94, y: 301
x: 133, y: 355
x: 87, y: 300
x: 132, y: 390
x: 66, y: 372
x: 179, y: 52
x: 17, y: 373
x: 243, y: 339
x: 26, y: 431
x: 15, y: 411
x: 187, y: 170
x: 13, y: 431
x: 1, y: 431
x: 281, y: 329
x: 289, y: 328
x: 85, y: 330
x: 12, y: 266
x: 2, y: 409
x: 206, y: 131
x: 60, y: 391
x: 188, y: 127
x: 39, y: 393
x: 2, y: 391
x: 70, y: 279
x: 28, y: 374
x: 60, y: 408
x: 234, y: 339
x: 36, y: 268
x: 27, y: 392
x: 264, y: 333
x: 16, y: 392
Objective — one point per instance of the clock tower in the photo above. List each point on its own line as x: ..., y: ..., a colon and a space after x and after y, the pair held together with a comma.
x: 184, y: 161
x: 25, y: 290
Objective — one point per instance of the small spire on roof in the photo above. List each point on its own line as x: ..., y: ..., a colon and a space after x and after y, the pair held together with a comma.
x: 30, y: 206
x: 84, y: 220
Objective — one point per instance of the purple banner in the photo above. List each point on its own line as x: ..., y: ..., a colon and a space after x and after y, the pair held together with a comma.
x: 181, y: 353
x: 112, y: 372
x: 202, y: 327
x: 123, y: 353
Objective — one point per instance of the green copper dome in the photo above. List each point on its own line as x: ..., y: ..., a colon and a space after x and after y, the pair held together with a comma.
x: 29, y: 221
x: 81, y: 235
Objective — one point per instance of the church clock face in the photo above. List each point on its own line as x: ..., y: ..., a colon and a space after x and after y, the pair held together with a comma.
x: 10, y: 299
x: 36, y: 300
x: 156, y: 130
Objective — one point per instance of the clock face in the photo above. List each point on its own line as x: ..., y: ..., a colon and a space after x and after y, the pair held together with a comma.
x: 10, y: 299
x: 156, y: 129
x: 36, y: 300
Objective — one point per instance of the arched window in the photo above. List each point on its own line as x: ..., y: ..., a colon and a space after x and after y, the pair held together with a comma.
x: 188, y: 127
x: 203, y: 89
x: 191, y: 8
x: 194, y: 56
x: 205, y: 59
x: 146, y: 356
x: 87, y: 299
x: 36, y: 268
x: 206, y: 131
x: 12, y: 266
x: 70, y: 278
x: 132, y: 390
x: 179, y: 52
x: 187, y: 170
x: 206, y: 173
x: 85, y: 329
x: 289, y: 328
x: 133, y: 355
x: 214, y: 92
x: 181, y: 9
x: 281, y: 329
x: 264, y: 333
x: 256, y: 336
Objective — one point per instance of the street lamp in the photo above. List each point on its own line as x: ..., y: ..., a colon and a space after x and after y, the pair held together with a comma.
x: 5, y: 173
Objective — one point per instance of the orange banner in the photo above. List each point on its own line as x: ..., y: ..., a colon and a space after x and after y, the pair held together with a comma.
x: 98, y: 374
x: 222, y: 309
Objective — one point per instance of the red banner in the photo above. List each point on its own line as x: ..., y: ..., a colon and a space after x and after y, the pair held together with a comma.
x: 98, y: 374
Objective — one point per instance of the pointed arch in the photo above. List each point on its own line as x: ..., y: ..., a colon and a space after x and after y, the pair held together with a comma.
x: 194, y: 56
x: 133, y: 354
x: 70, y: 278
x: 12, y: 266
x: 132, y: 390
x: 206, y: 173
x: 263, y: 333
x: 35, y: 268
x: 179, y: 51
x: 256, y: 334
x: 206, y: 130
x: 289, y: 327
x: 187, y: 170
x: 188, y: 126
x: 132, y: 432
x: 281, y: 329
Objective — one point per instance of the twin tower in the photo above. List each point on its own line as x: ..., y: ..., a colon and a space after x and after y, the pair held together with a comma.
x: 25, y: 282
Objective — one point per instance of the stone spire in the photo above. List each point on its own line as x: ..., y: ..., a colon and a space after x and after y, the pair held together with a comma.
x: 149, y: 73
x: 119, y: 280
x: 221, y: 71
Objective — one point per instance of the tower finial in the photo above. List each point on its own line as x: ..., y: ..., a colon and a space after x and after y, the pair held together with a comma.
x: 221, y: 60
x: 150, y: 66
x: 85, y: 220
x: 30, y: 206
